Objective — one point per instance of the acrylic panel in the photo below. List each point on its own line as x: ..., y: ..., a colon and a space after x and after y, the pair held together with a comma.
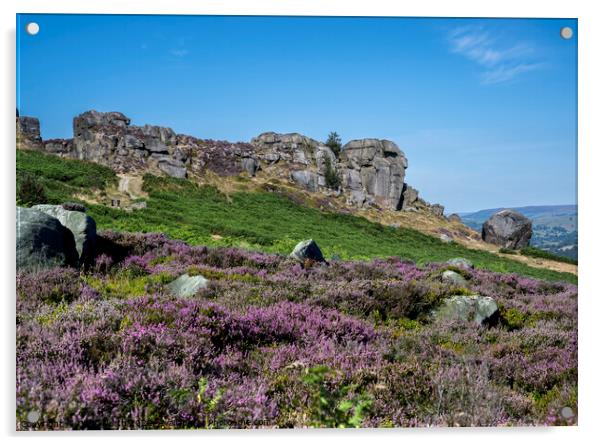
x: 290, y: 222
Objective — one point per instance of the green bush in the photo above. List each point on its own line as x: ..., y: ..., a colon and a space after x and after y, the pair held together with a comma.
x: 30, y: 190
x: 332, y: 178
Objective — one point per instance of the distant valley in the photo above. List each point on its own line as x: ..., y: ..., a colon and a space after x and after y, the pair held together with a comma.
x: 554, y: 227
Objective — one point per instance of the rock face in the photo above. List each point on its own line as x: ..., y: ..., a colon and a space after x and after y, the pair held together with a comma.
x: 28, y: 132
x: 81, y: 226
x: 373, y: 173
x: 472, y: 308
x: 109, y: 139
x: 307, y: 250
x: 307, y: 159
x: 509, y: 229
x: 186, y: 286
x: 43, y: 242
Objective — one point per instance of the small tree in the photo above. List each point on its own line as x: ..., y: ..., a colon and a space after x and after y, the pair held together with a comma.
x: 330, y: 175
x: 334, y: 142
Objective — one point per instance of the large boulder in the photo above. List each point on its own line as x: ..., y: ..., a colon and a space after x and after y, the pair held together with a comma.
x: 186, y: 286
x: 307, y: 250
x: 468, y: 308
x: 43, y: 242
x: 373, y: 172
x: 81, y: 226
x: 508, y: 228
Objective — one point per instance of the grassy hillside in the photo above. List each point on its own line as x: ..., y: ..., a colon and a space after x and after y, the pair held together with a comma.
x: 261, y: 221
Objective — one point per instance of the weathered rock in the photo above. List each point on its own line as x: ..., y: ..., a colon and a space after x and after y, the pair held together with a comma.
x: 74, y: 206
x: 28, y: 132
x: 452, y: 277
x: 250, y: 165
x: 473, y: 308
x: 436, y: 209
x: 461, y: 262
x: 81, y: 226
x: 409, y: 197
x: 186, y: 286
x: 43, y: 242
x: 172, y: 167
x: 59, y: 146
x: 308, y: 159
x: 455, y: 218
x: 507, y: 228
x: 307, y: 179
x: 373, y: 172
x: 307, y: 250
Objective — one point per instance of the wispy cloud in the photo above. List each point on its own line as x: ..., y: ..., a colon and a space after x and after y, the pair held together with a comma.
x: 499, y: 62
x: 179, y: 52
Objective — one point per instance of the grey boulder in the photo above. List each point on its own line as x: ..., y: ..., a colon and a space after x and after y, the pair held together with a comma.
x: 461, y: 262
x: 186, y: 286
x: 451, y: 277
x: 43, y: 242
x: 507, y: 228
x: 468, y: 308
x: 79, y: 224
x: 307, y: 250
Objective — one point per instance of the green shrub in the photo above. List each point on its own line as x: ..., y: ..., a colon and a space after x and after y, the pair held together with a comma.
x: 330, y: 175
x: 507, y: 251
x: 30, y: 190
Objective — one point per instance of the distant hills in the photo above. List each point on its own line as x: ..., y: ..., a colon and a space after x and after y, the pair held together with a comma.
x: 554, y: 227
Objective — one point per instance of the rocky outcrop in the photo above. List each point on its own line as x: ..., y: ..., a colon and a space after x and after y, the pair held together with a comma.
x: 43, y: 242
x: 307, y: 160
x: 367, y: 172
x: 81, y: 226
x: 507, y: 228
x: 373, y: 173
x: 28, y: 132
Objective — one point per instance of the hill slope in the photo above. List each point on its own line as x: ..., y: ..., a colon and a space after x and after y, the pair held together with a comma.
x: 260, y: 220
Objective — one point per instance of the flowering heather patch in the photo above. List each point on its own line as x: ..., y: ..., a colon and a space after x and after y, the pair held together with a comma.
x: 273, y: 344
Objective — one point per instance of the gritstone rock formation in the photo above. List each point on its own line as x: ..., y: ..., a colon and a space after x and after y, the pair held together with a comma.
x: 367, y: 172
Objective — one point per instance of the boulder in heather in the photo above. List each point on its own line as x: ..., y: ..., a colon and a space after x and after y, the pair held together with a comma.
x: 476, y: 309
x: 43, y: 242
x: 308, y: 250
x: 452, y: 277
x: 461, y: 262
x: 186, y: 286
x: 508, y: 228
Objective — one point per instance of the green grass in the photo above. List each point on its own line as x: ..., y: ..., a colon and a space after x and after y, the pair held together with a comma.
x: 539, y: 253
x: 260, y: 221
x: 62, y: 178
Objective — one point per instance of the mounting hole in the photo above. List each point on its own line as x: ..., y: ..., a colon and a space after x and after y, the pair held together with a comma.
x: 566, y: 33
x: 32, y: 28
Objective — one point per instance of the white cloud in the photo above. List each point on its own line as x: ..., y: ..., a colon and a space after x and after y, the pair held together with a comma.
x: 499, y: 63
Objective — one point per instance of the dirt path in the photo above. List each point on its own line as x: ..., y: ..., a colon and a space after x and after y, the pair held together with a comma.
x: 131, y: 185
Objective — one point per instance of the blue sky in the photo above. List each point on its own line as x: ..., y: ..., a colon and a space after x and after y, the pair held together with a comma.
x: 485, y: 110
